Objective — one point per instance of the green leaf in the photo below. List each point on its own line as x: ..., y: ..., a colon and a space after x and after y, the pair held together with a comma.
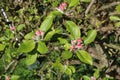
x: 68, y: 71
x: 118, y: 8
x: 50, y: 34
x: 62, y: 40
x: 47, y: 23
x: 66, y: 54
x: 31, y: 58
x: 15, y: 77
x: 58, y: 66
x: 42, y: 48
x: 85, y: 0
x: 26, y: 46
x: 20, y: 27
x: 67, y: 46
x: 72, y: 68
x: 84, y: 56
x: 73, y: 29
x: 29, y: 35
x: 90, y: 36
x: 86, y: 78
x: 114, y: 18
x: 96, y: 73
x: 2, y: 46
x: 117, y: 24
x: 73, y: 3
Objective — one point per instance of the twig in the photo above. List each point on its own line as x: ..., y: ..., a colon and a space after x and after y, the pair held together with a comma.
x: 108, y: 6
x: 8, y: 66
x: 13, y: 68
x: 88, y: 8
x: 112, y: 46
x: 114, y: 13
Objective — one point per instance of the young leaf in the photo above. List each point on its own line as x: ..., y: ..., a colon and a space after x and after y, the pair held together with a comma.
x: 42, y: 48
x: 2, y: 46
x: 73, y: 29
x: 117, y: 24
x: 20, y: 27
x: 15, y: 77
x: 114, y: 18
x: 26, y: 46
x: 85, y: 0
x: 30, y: 59
x: 66, y: 54
x: 90, y: 36
x: 58, y: 65
x: 84, y: 56
x: 47, y: 23
x: 50, y: 34
x: 68, y: 71
x: 29, y: 35
x: 85, y: 77
x: 62, y: 40
x: 73, y: 3
x: 72, y: 68
x: 118, y: 8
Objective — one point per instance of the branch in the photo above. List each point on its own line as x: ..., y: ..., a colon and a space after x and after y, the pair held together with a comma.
x: 88, y: 8
x: 8, y: 66
x: 112, y: 46
x: 13, y: 68
x: 108, y: 6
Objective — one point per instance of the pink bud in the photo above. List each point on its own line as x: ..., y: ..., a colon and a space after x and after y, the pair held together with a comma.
x: 78, y: 46
x: 71, y: 48
x: 38, y: 32
x: 12, y: 28
x: 7, y: 78
x: 62, y: 6
x: 42, y: 33
x: 79, y: 40
x: 93, y: 78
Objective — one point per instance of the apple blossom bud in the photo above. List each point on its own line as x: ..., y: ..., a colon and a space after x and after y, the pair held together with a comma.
x: 62, y: 6
x: 72, y: 48
x: 79, y: 40
x: 38, y: 32
x: 12, y: 28
x: 78, y: 46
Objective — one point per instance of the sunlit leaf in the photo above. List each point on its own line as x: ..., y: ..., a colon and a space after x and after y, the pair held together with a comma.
x: 84, y: 56
x: 86, y: 77
x: 114, y: 18
x: 85, y: 0
x: 66, y: 54
x: 74, y: 3
x: 118, y: 8
x: 2, y: 46
x: 29, y: 35
x: 47, y: 23
x: 50, y: 34
x: 91, y: 35
x: 73, y: 29
x: 26, y: 46
x: 20, y: 27
x: 117, y: 24
x: 72, y: 69
x: 15, y: 77
x: 58, y: 66
x: 68, y: 71
x: 42, y: 48
x: 31, y: 58
x: 62, y: 40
